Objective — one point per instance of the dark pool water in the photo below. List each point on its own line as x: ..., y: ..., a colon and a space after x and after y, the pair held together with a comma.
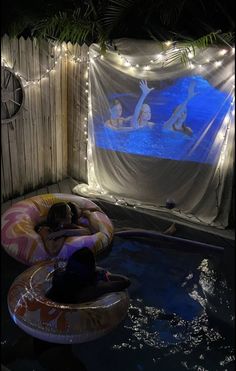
x: 166, y: 328
x: 205, y: 115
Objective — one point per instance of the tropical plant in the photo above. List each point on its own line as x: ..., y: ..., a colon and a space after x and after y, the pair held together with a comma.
x: 102, y: 21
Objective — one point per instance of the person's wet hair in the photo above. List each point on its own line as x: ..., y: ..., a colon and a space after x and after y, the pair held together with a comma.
x: 74, y: 211
x: 56, y: 213
x: 82, y: 263
x: 114, y: 103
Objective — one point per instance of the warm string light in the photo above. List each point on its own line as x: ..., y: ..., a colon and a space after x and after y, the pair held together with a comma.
x: 58, y: 53
x: 25, y: 81
x: 163, y: 57
x: 224, y: 135
x: 61, y: 51
x: 88, y: 104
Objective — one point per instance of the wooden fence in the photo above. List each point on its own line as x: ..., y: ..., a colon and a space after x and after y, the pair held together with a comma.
x: 47, y: 140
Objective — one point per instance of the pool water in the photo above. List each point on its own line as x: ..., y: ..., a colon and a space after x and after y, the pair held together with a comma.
x: 166, y: 328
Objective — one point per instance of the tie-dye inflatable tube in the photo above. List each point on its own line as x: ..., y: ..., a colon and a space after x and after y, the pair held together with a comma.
x: 61, y: 323
x: 23, y: 243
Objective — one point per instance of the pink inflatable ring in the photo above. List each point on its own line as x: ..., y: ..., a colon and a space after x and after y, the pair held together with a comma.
x: 61, y: 323
x: 20, y: 240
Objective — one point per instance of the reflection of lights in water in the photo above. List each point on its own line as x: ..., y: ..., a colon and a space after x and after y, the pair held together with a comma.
x: 219, y: 297
x: 152, y: 327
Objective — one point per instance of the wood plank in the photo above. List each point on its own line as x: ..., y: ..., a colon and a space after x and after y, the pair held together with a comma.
x: 2, y: 182
x: 64, y: 187
x: 84, y: 114
x: 17, y: 199
x: 5, y: 206
x: 52, y: 122
x: 15, y: 166
x: 38, y: 134
x: 70, y: 109
x: 6, y: 163
x: 53, y: 188
x: 64, y: 111
x: 31, y: 160
x: 72, y: 183
x: 45, y: 60
x: 30, y: 194
x: 6, y: 158
x: 58, y: 123
x: 22, y: 126
x: 42, y: 191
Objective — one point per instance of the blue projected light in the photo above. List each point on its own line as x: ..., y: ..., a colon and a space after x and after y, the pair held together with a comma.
x: 183, y: 129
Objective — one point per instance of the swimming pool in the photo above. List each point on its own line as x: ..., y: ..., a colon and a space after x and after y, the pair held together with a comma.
x: 166, y: 328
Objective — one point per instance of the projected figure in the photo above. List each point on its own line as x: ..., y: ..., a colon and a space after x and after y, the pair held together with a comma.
x: 141, y: 116
x: 142, y: 112
x: 117, y: 121
x: 177, y: 120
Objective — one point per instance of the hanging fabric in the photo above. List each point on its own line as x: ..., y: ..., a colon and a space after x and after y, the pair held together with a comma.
x: 161, y: 132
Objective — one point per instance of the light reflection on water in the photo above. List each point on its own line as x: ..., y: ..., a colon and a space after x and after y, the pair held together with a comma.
x: 167, y: 327
x: 154, y: 337
x: 168, y: 338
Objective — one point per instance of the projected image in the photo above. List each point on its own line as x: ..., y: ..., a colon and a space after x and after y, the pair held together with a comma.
x: 179, y: 121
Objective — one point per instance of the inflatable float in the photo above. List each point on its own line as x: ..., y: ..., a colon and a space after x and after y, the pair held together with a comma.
x: 22, y: 242
x: 56, y: 322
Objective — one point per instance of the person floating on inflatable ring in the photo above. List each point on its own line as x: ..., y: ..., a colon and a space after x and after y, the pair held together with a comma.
x: 82, y: 281
x: 64, y: 219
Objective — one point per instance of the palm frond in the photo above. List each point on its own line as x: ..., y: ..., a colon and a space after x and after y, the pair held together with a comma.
x: 192, y: 46
x: 169, y: 11
x: 65, y: 27
x: 116, y: 11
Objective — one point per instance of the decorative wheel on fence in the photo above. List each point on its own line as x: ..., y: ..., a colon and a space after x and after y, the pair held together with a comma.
x: 12, y: 95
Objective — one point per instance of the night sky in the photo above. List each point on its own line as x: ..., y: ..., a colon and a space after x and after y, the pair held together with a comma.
x: 198, y: 18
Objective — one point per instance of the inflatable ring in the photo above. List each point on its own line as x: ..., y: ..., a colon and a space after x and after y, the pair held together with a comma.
x: 20, y: 240
x: 61, y: 323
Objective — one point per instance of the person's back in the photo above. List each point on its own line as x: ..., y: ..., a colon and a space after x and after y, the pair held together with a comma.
x: 82, y: 281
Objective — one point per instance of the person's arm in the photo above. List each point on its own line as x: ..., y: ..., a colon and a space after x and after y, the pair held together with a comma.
x: 51, y: 246
x: 119, y: 127
x: 145, y: 91
x: 109, y: 124
x: 67, y: 233
x: 127, y: 119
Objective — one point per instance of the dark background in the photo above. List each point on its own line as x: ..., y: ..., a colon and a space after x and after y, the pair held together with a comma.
x: 189, y: 18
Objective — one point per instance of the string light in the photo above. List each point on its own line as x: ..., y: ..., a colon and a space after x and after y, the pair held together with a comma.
x: 160, y: 59
x: 222, y: 52
x: 167, y: 57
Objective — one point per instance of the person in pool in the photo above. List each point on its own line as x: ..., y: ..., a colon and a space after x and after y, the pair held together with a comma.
x: 177, y: 120
x: 141, y: 116
x: 82, y: 281
x: 179, y: 124
x: 142, y: 112
x: 63, y: 220
x: 116, y: 120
